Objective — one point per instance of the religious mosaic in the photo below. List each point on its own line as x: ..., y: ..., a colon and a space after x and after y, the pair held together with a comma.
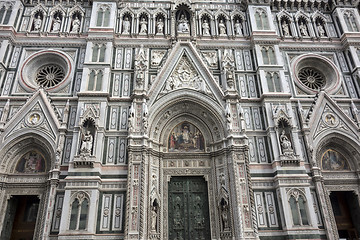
x: 332, y: 160
x: 31, y: 162
x: 185, y: 137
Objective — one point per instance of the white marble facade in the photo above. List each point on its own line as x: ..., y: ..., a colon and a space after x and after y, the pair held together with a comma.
x: 103, y: 103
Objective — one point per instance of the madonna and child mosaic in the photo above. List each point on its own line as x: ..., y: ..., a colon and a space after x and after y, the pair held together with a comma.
x: 185, y: 137
x: 31, y: 162
x: 332, y: 160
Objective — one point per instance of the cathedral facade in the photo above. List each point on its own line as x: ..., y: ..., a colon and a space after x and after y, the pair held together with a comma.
x: 179, y: 120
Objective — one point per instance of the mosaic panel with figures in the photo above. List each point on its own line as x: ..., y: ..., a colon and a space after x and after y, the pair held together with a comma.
x: 332, y: 160
x: 185, y: 137
x: 31, y: 162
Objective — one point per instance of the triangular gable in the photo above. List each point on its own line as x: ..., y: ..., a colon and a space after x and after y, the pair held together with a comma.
x: 36, y: 115
x: 330, y: 117
x: 184, y: 68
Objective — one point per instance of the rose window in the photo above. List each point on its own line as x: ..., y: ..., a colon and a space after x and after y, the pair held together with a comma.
x: 311, y: 78
x: 50, y: 75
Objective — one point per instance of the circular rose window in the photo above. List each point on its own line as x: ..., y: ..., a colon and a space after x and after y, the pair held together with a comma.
x: 312, y: 72
x: 50, y: 75
x: 312, y: 78
x: 49, y: 69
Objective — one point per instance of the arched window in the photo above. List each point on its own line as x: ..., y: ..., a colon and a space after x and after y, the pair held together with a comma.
x: 95, y: 80
x: 273, y: 82
x: 268, y: 55
x: 79, y: 212
x: 95, y: 53
x: 261, y: 20
x: 98, y: 53
x: 103, y: 16
x: 297, y: 204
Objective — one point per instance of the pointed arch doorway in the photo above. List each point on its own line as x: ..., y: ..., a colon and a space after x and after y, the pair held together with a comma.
x: 188, y: 208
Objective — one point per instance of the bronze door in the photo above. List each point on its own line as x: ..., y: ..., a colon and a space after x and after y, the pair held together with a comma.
x: 188, y: 209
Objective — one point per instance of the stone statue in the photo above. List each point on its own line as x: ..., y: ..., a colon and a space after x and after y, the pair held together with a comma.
x: 225, y: 215
x: 160, y: 26
x: 285, y: 28
x: 126, y: 26
x: 56, y: 25
x: 321, y: 30
x: 37, y: 23
x: 87, y: 143
x: 222, y: 28
x: 183, y: 26
x: 206, y: 28
x: 303, y: 29
x: 75, y: 25
x: 143, y: 26
x: 285, y: 142
x: 153, y: 218
x: 238, y: 28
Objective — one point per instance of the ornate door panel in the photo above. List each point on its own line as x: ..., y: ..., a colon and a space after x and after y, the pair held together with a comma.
x: 188, y: 209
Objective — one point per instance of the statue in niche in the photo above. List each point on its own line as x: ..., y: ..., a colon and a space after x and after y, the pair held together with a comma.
x: 285, y: 28
x: 126, y: 26
x: 285, y: 143
x: 238, y: 28
x: 86, y: 142
x: 303, y: 29
x: 183, y: 26
x: 143, y: 26
x: 228, y: 69
x: 321, y: 30
x: 160, y: 26
x: 224, y: 208
x: 206, y: 28
x: 76, y: 25
x: 37, y: 23
x: 56, y: 25
x: 222, y: 28
x: 153, y: 218
x: 141, y: 63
